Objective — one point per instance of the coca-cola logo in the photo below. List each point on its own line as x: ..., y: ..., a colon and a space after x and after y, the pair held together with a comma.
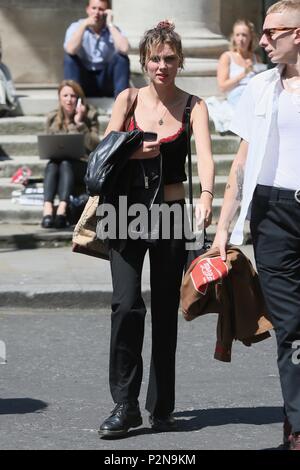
x: 208, y: 270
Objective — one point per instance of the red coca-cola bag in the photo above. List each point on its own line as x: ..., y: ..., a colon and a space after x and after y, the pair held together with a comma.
x: 198, y: 283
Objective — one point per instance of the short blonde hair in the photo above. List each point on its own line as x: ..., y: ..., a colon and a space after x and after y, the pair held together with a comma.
x: 254, y: 39
x: 283, y: 5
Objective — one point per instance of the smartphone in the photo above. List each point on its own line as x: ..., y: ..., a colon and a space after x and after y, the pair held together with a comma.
x: 150, y: 136
x: 78, y: 103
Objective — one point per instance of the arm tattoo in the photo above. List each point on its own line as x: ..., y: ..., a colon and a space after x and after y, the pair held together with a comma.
x: 228, y: 186
x: 240, y: 182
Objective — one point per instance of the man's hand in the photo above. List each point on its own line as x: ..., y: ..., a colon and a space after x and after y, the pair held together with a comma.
x: 220, y: 242
x: 90, y: 22
x: 109, y: 17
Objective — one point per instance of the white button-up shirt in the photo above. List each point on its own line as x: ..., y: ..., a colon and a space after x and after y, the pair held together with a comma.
x: 255, y: 121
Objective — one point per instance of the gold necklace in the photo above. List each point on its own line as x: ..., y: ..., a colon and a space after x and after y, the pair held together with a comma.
x: 161, y: 120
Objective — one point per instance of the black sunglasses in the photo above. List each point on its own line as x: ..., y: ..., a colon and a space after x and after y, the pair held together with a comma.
x: 269, y: 32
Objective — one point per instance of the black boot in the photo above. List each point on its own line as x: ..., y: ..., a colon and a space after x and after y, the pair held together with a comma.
x: 123, y: 417
x: 163, y: 424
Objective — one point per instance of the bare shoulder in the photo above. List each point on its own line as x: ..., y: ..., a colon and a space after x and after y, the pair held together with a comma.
x: 198, y: 104
x: 125, y: 100
x: 225, y: 57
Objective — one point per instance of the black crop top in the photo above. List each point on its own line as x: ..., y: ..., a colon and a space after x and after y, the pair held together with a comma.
x: 173, y: 150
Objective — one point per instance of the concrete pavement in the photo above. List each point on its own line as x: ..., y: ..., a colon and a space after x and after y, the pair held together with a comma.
x: 54, y: 388
x: 55, y: 324
x: 59, y: 278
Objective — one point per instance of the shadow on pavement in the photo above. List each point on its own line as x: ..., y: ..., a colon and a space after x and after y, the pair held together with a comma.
x: 14, y: 406
x: 194, y: 420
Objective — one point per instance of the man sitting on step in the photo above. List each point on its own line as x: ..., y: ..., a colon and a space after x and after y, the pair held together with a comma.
x: 96, y: 52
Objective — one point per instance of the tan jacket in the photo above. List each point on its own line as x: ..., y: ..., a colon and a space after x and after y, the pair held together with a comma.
x: 236, y: 297
x: 90, y: 128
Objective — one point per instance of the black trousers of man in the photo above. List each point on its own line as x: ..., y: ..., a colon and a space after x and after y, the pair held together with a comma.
x: 275, y: 228
x: 167, y: 258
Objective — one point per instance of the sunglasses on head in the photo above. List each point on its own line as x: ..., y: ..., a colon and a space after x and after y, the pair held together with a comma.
x: 269, y: 32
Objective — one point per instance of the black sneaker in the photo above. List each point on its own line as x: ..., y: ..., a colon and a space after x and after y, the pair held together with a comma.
x: 163, y: 424
x: 123, y: 417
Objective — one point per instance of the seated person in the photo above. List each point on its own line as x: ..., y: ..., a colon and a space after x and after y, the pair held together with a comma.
x: 236, y: 67
x: 96, y: 52
x: 8, y: 98
x: 61, y: 177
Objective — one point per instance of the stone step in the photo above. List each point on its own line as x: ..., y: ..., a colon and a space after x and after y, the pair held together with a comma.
x: 20, y: 236
x: 7, y: 187
x: 33, y: 236
x: 41, y: 101
x: 33, y: 125
x: 18, y: 145
x: 27, y: 145
x: 8, y: 166
x: 14, y: 213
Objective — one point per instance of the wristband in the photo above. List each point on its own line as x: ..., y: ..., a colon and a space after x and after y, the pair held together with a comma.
x: 206, y: 191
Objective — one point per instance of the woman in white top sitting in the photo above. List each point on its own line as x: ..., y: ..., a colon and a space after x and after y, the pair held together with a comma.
x: 235, y: 68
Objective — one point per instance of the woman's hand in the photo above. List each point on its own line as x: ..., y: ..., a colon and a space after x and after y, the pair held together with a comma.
x: 249, y: 66
x: 80, y: 114
x: 147, y: 150
x: 204, y: 210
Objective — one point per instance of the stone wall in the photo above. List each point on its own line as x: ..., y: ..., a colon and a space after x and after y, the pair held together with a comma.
x: 231, y: 10
x: 32, y: 33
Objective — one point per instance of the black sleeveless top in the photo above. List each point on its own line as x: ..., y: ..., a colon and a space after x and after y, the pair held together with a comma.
x: 173, y: 150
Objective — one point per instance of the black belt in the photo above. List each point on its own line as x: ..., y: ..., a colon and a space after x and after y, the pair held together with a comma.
x: 277, y: 194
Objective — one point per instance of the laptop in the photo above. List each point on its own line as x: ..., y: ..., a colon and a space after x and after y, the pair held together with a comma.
x: 60, y: 146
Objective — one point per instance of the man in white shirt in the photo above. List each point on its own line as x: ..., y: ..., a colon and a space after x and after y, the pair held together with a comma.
x: 265, y: 179
x: 96, y: 52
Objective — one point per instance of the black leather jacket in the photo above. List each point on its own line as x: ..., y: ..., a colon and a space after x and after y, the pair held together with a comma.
x: 139, y: 180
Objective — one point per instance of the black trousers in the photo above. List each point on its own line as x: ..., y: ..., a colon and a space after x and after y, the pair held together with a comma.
x: 167, y: 260
x: 275, y: 228
x: 61, y: 177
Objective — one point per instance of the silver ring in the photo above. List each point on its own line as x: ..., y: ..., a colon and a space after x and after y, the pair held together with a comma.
x: 297, y: 195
